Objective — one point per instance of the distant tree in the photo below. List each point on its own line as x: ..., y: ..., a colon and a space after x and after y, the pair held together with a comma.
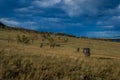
x: 2, y: 26
x: 19, y: 38
x: 23, y: 39
x: 44, y: 36
x: 64, y: 34
x: 84, y: 37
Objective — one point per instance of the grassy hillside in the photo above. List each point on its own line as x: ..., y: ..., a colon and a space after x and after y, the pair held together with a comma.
x: 22, y: 58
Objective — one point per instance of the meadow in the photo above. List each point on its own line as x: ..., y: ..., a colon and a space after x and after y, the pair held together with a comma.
x: 26, y: 60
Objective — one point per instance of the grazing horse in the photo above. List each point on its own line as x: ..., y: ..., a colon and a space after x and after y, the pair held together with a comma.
x: 78, y: 49
x: 86, y: 52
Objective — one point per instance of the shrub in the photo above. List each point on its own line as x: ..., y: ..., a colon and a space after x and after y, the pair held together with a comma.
x: 57, y: 45
x: 23, y: 39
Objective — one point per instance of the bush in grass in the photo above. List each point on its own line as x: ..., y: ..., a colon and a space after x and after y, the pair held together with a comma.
x: 23, y: 39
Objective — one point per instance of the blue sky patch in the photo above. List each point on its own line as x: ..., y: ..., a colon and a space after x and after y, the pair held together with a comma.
x: 92, y: 18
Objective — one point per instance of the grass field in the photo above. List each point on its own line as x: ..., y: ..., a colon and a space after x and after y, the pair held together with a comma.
x: 21, y: 61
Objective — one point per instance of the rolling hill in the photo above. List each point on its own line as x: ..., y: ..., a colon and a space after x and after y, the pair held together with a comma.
x: 22, y: 57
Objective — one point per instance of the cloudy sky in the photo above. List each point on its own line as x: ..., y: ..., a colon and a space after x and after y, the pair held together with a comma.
x: 92, y: 18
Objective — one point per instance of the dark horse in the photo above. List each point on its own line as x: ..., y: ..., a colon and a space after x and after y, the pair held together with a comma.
x: 86, y: 52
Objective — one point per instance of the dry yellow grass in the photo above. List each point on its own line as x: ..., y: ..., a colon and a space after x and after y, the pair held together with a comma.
x: 102, y: 65
x: 98, y: 48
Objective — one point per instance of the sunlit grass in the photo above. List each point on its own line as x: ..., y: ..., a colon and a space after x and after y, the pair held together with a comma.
x: 21, y: 61
x: 26, y: 66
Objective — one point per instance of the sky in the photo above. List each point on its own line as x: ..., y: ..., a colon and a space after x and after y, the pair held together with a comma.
x: 91, y: 18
